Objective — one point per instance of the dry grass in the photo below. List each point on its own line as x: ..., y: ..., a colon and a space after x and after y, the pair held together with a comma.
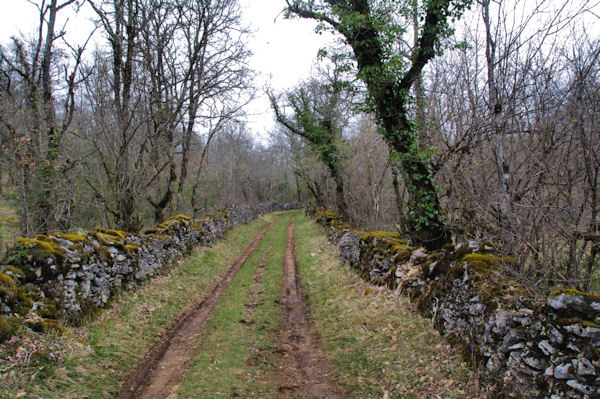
x: 91, y: 361
x: 379, y: 346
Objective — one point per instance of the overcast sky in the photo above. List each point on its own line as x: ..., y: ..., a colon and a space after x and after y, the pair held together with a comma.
x: 284, y: 50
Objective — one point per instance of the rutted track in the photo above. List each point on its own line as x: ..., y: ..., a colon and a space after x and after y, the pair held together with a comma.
x: 306, y: 371
x: 160, y: 369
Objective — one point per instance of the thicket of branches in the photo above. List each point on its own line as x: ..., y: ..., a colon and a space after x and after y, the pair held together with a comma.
x: 146, y: 120
x: 507, y: 115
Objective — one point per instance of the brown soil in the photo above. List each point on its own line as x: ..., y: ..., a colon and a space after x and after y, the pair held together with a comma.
x: 306, y: 371
x: 156, y: 374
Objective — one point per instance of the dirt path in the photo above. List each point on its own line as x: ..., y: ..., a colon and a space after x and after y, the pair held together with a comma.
x: 157, y: 373
x: 306, y: 371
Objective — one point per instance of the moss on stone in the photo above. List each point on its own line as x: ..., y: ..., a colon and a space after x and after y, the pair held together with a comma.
x: 6, y: 280
x: 378, y: 235
x: 404, y: 255
x: 45, y: 326
x: 13, y: 272
x: 104, y: 254
x: 48, y: 309
x: 115, y: 233
x: 448, y: 247
x: 568, y: 321
x: 74, y: 236
x: 107, y: 238
x: 486, y: 261
x: 573, y: 292
x: 41, y: 248
x: 7, y: 292
x: 173, y: 221
x: 132, y: 248
x: 6, y: 330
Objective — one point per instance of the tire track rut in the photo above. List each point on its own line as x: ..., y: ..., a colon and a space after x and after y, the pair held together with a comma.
x: 306, y: 370
x: 157, y: 373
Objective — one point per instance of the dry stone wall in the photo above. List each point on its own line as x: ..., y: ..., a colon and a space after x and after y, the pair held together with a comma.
x: 65, y: 276
x: 525, y: 347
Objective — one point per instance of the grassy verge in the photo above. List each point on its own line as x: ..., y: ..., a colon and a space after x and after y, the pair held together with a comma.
x: 234, y: 359
x: 91, y: 361
x: 9, y: 220
x: 374, y: 340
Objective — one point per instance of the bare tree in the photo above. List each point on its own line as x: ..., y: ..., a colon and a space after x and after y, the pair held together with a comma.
x: 37, y: 66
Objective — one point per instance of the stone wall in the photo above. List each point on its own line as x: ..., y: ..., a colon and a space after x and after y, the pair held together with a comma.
x: 65, y: 276
x: 524, y: 346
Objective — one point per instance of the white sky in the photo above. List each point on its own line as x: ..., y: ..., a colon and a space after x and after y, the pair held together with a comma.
x: 284, y: 50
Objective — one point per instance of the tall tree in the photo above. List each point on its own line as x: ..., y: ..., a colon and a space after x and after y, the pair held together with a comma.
x: 37, y: 65
x: 372, y: 30
x: 177, y: 67
x: 316, y: 118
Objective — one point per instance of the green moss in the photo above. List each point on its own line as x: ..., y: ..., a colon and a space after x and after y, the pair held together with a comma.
x: 378, y: 235
x: 52, y: 325
x: 448, y: 247
x: 41, y: 248
x: 45, y: 326
x: 114, y: 233
x: 575, y: 320
x: 8, y: 292
x: 222, y: 213
x: 132, y: 248
x: 14, y: 272
x: 339, y: 225
x: 74, y: 236
x: 404, y: 254
x: 104, y: 254
x: 26, y: 303
x: 107, y: 238
x: 7, y: 287
x: 486, y: 261
x: 6, y: 280
x: 6, y: 330
x: 573, y: 292
x: 173, y: 221
x: 48, y: 309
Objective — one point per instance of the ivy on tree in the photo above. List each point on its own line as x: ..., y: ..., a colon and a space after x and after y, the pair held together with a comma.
x: 372, y: 29
x: 314, y: 108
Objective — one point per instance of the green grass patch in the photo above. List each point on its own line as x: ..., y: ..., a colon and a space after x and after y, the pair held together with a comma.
x: 91, y: 361
x: 236, y: 357
x: 374, y: 340
x: 9, y: 221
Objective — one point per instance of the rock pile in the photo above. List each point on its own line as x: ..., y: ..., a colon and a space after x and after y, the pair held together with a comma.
x: 64, y: 276
x: 525, y: 347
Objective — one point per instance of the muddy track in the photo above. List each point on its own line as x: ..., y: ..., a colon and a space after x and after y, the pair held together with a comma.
x: 157, y: 373
x: 306, y: 371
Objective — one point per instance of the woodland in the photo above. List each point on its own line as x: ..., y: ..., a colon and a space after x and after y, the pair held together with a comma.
x: 444, y: 120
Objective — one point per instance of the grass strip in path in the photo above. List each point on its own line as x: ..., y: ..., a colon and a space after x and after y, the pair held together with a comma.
x: 156, y: 374
x: 238, y: 356
x: 307, y: 372
x: 376, y: 343
x: 91, y: 361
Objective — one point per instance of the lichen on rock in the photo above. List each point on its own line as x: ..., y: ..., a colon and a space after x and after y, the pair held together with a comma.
x: 524, y: 347
x: 59, y: 278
